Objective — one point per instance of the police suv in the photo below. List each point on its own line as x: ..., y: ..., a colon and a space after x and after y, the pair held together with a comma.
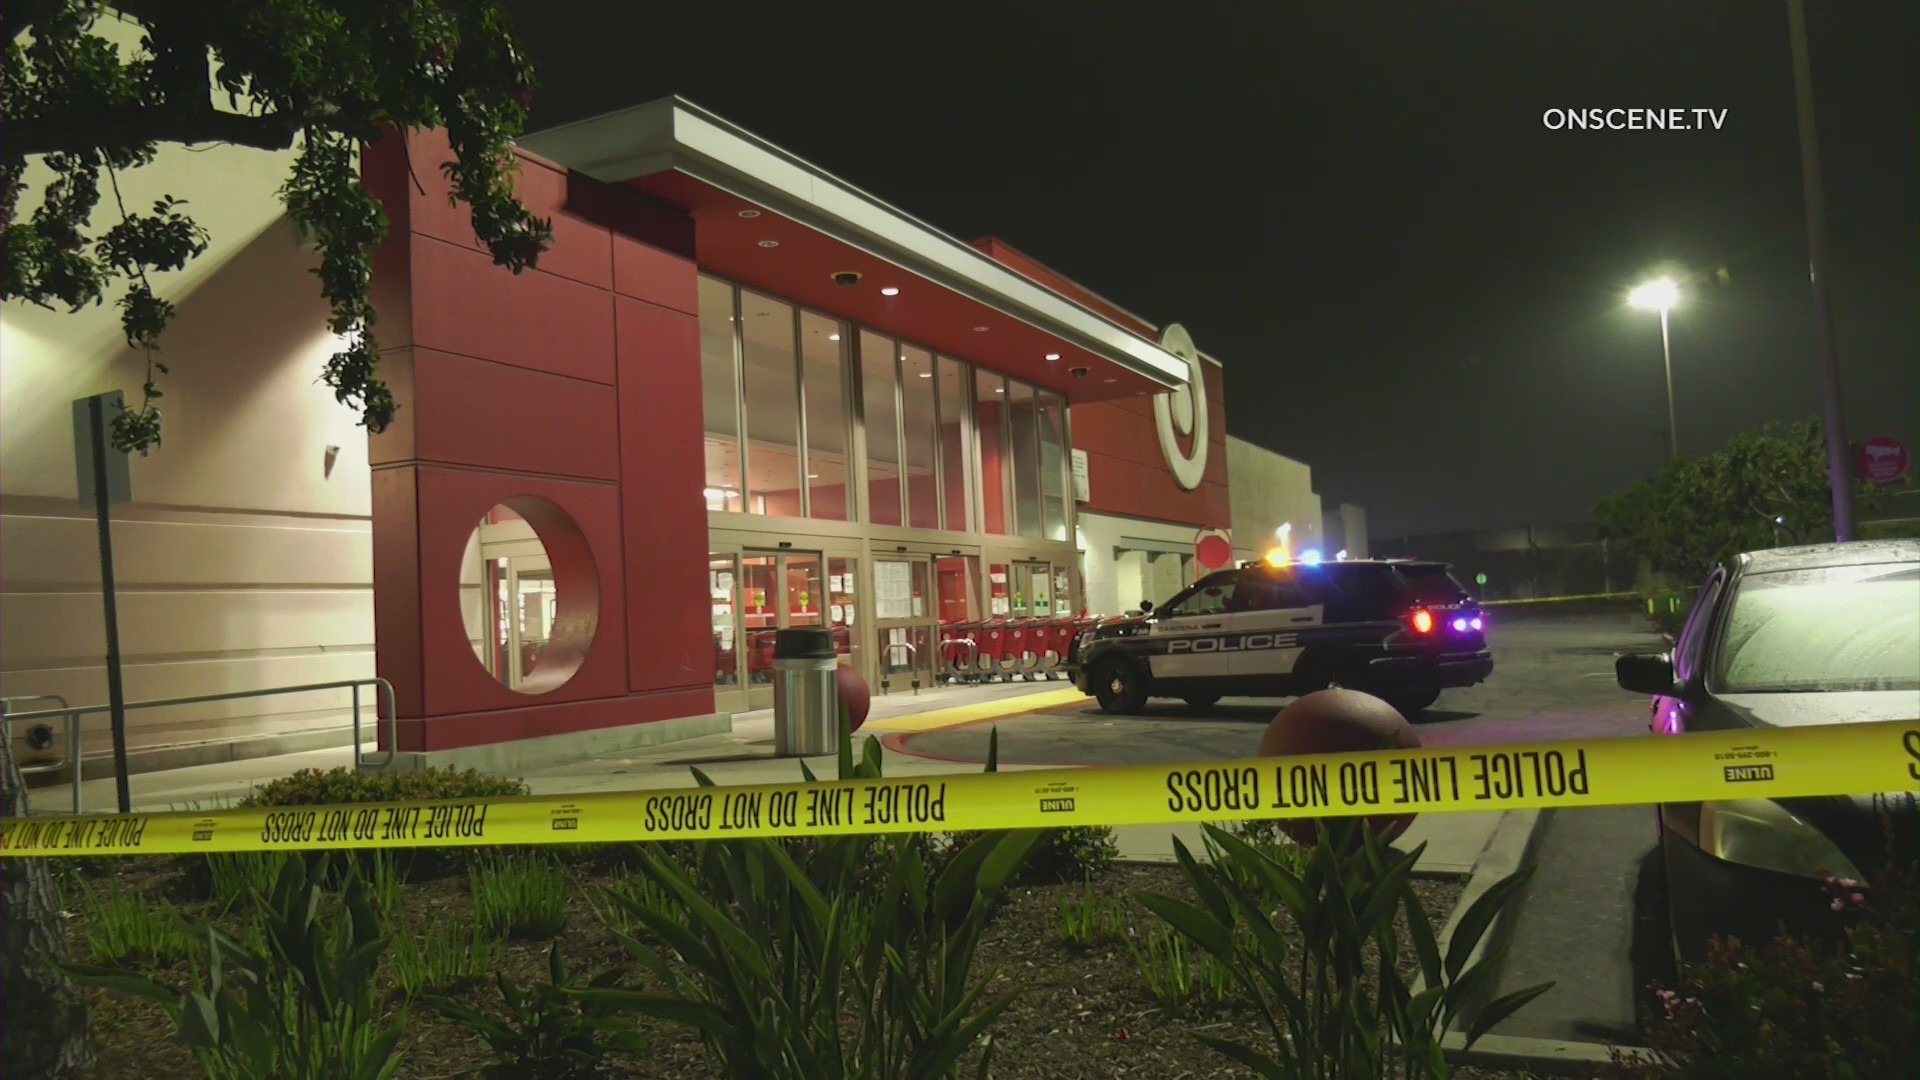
x: 1400, y: 629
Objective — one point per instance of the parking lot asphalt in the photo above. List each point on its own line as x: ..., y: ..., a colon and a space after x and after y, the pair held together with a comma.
x: 1552, y: 680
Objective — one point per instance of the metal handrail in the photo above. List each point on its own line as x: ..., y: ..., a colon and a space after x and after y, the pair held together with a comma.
x: 72, y: 762
x: 383, y: 688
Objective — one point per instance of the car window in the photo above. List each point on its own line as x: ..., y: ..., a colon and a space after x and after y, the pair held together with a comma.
x: 1432, y: 584
x: 1693, y: 634
x: 1206, y: 598
x: 1831, y: 629
x: 1361, y: 591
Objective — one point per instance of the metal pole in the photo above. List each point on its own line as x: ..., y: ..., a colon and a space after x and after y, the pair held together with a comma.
x: 116, y: 694
x: 1673, y: 427
x: 1839, y: 470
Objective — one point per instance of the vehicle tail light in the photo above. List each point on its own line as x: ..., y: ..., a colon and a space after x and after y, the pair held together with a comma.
x: 1460, y: 625
x: 1422, y: 621
x: 1477, y: 623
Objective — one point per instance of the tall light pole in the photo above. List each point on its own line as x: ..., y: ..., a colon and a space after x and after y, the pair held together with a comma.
x: 1660, y: 295
x: 1839, y: 470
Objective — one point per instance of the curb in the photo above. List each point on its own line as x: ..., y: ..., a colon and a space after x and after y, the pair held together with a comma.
x: 1511, y: 847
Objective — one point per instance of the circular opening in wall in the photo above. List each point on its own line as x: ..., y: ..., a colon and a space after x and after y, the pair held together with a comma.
x: 529, y: 594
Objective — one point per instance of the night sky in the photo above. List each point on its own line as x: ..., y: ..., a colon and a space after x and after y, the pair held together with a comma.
x: 1414, y: 286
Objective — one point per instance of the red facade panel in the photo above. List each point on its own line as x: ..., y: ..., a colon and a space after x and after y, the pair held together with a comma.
x: 472, y: 412
x: 540, y: 390
x: 1127, y: 474
x: 464, y: 304
x: 663, y: 468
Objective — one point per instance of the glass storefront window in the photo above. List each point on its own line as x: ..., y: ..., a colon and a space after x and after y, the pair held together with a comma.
x: 879, y: 383
x: 922, y: 429
x: 773, y: 414
x: 1063, y: 589
x: 723, y: 591
x: 719, y: 395
x: 990, y: 419
x: 823, y: 351
x: 843, y: 589
x: 1053, y: 466
x: 953, y: 577
x: 759, y: 615
x: 999, y: 590
x: 806, y: 593
x: 1025, y: 432
x: 951, y: 383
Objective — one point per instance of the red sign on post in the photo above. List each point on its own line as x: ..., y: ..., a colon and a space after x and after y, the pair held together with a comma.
x: 1881, y: 460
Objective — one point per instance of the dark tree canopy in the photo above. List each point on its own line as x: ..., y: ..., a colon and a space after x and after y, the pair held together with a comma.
x: 322, y: 76
x: 1764, y: 488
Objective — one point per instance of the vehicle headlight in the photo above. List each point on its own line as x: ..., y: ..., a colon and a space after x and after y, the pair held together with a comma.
x: 1767, y: 836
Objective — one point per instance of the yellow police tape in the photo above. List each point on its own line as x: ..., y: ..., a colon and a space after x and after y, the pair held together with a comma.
x: 1776, y: 763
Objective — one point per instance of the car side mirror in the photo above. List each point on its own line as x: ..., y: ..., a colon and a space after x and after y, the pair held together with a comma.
x: 1645, y: 673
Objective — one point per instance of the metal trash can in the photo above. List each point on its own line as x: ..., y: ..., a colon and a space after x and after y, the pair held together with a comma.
x: 806, y: 693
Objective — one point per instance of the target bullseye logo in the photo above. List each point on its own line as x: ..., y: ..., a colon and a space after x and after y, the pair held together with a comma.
x: 1183, y: 412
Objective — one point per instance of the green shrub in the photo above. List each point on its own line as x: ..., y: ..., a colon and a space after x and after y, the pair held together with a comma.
x: 793, y: 977
x: 311, y: 787
x: 303, y: 1009
x: 520, y: 896
x: 1324, y: 1022
x: 1090, y: 919
x: 233, y: 878
x: 131, y: 929
x: 452, y: 956
x: 550, y: 1032
x: 1795, y: 1007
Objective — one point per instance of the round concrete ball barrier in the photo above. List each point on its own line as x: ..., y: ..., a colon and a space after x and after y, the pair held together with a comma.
x: 855, y: 698
x: 1339, y: 721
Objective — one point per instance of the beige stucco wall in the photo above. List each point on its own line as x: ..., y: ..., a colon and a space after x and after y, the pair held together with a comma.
x: 244, y: 561
x: 1269, y: 490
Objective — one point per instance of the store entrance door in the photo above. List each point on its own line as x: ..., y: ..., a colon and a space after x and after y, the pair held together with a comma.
x: 906, y: 621
x: 754, y: 595
x: 521, y: 611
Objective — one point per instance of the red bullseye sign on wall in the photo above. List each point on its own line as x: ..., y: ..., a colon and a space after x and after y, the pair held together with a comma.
x: 1212, y: 550
x: 1881, y: 460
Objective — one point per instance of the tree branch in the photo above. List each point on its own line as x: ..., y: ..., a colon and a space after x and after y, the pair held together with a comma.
x: 31, y: 136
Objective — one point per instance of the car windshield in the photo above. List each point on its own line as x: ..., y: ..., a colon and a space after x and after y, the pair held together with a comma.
x: 1833, y: 629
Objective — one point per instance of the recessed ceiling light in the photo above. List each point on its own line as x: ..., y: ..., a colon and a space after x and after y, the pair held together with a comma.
x: 1109, y: 380
x: 979, y: 329
x: 813, y: 476
x: 1053, y: 356
x: 769, y: 243
x: 889, y: 291
x: 833, y: 337
x: 926, y: 374
x: 999, y: 389
x: 749, y: 213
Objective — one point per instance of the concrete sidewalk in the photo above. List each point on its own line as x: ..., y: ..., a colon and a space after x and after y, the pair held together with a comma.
x: 745, y: 756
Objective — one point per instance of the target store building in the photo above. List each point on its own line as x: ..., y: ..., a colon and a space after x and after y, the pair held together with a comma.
x: 737, y: 394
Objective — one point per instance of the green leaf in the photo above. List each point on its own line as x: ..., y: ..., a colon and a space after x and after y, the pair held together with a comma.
x: 1262, y: 1065
x: 1192, y: 922
x: 1502, y: 1007
x: 701, y: 779
x: 701, y: 1015
x: 870, y: 758
x: 1479, y: 916
x: 1424, y: 945
x: 937, y: 1058
x: 1420, y: 1012
x: 1387, y: 892
x: 958, y: 879
x: 249, y: 1037
x: 1009, y: 854
x: 380, y: 1060
x: 807, y: 772
x: 1204, y: 884
x: 120, y: 982
x: 200, y: 1022
x: 993, y: 749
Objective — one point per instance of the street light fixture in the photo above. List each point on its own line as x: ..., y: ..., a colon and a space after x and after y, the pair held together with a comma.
x: 1661, y: 295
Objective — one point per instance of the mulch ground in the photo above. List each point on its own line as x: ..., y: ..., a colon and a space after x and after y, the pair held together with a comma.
x: 1084, y: 1014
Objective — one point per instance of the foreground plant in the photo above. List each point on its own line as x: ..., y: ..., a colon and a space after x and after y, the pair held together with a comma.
x: 798, y: 975
x: 303, y: 1009
x: 1325, y: 1022
x: 550, y: 1033
x: 1795, y: 1007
